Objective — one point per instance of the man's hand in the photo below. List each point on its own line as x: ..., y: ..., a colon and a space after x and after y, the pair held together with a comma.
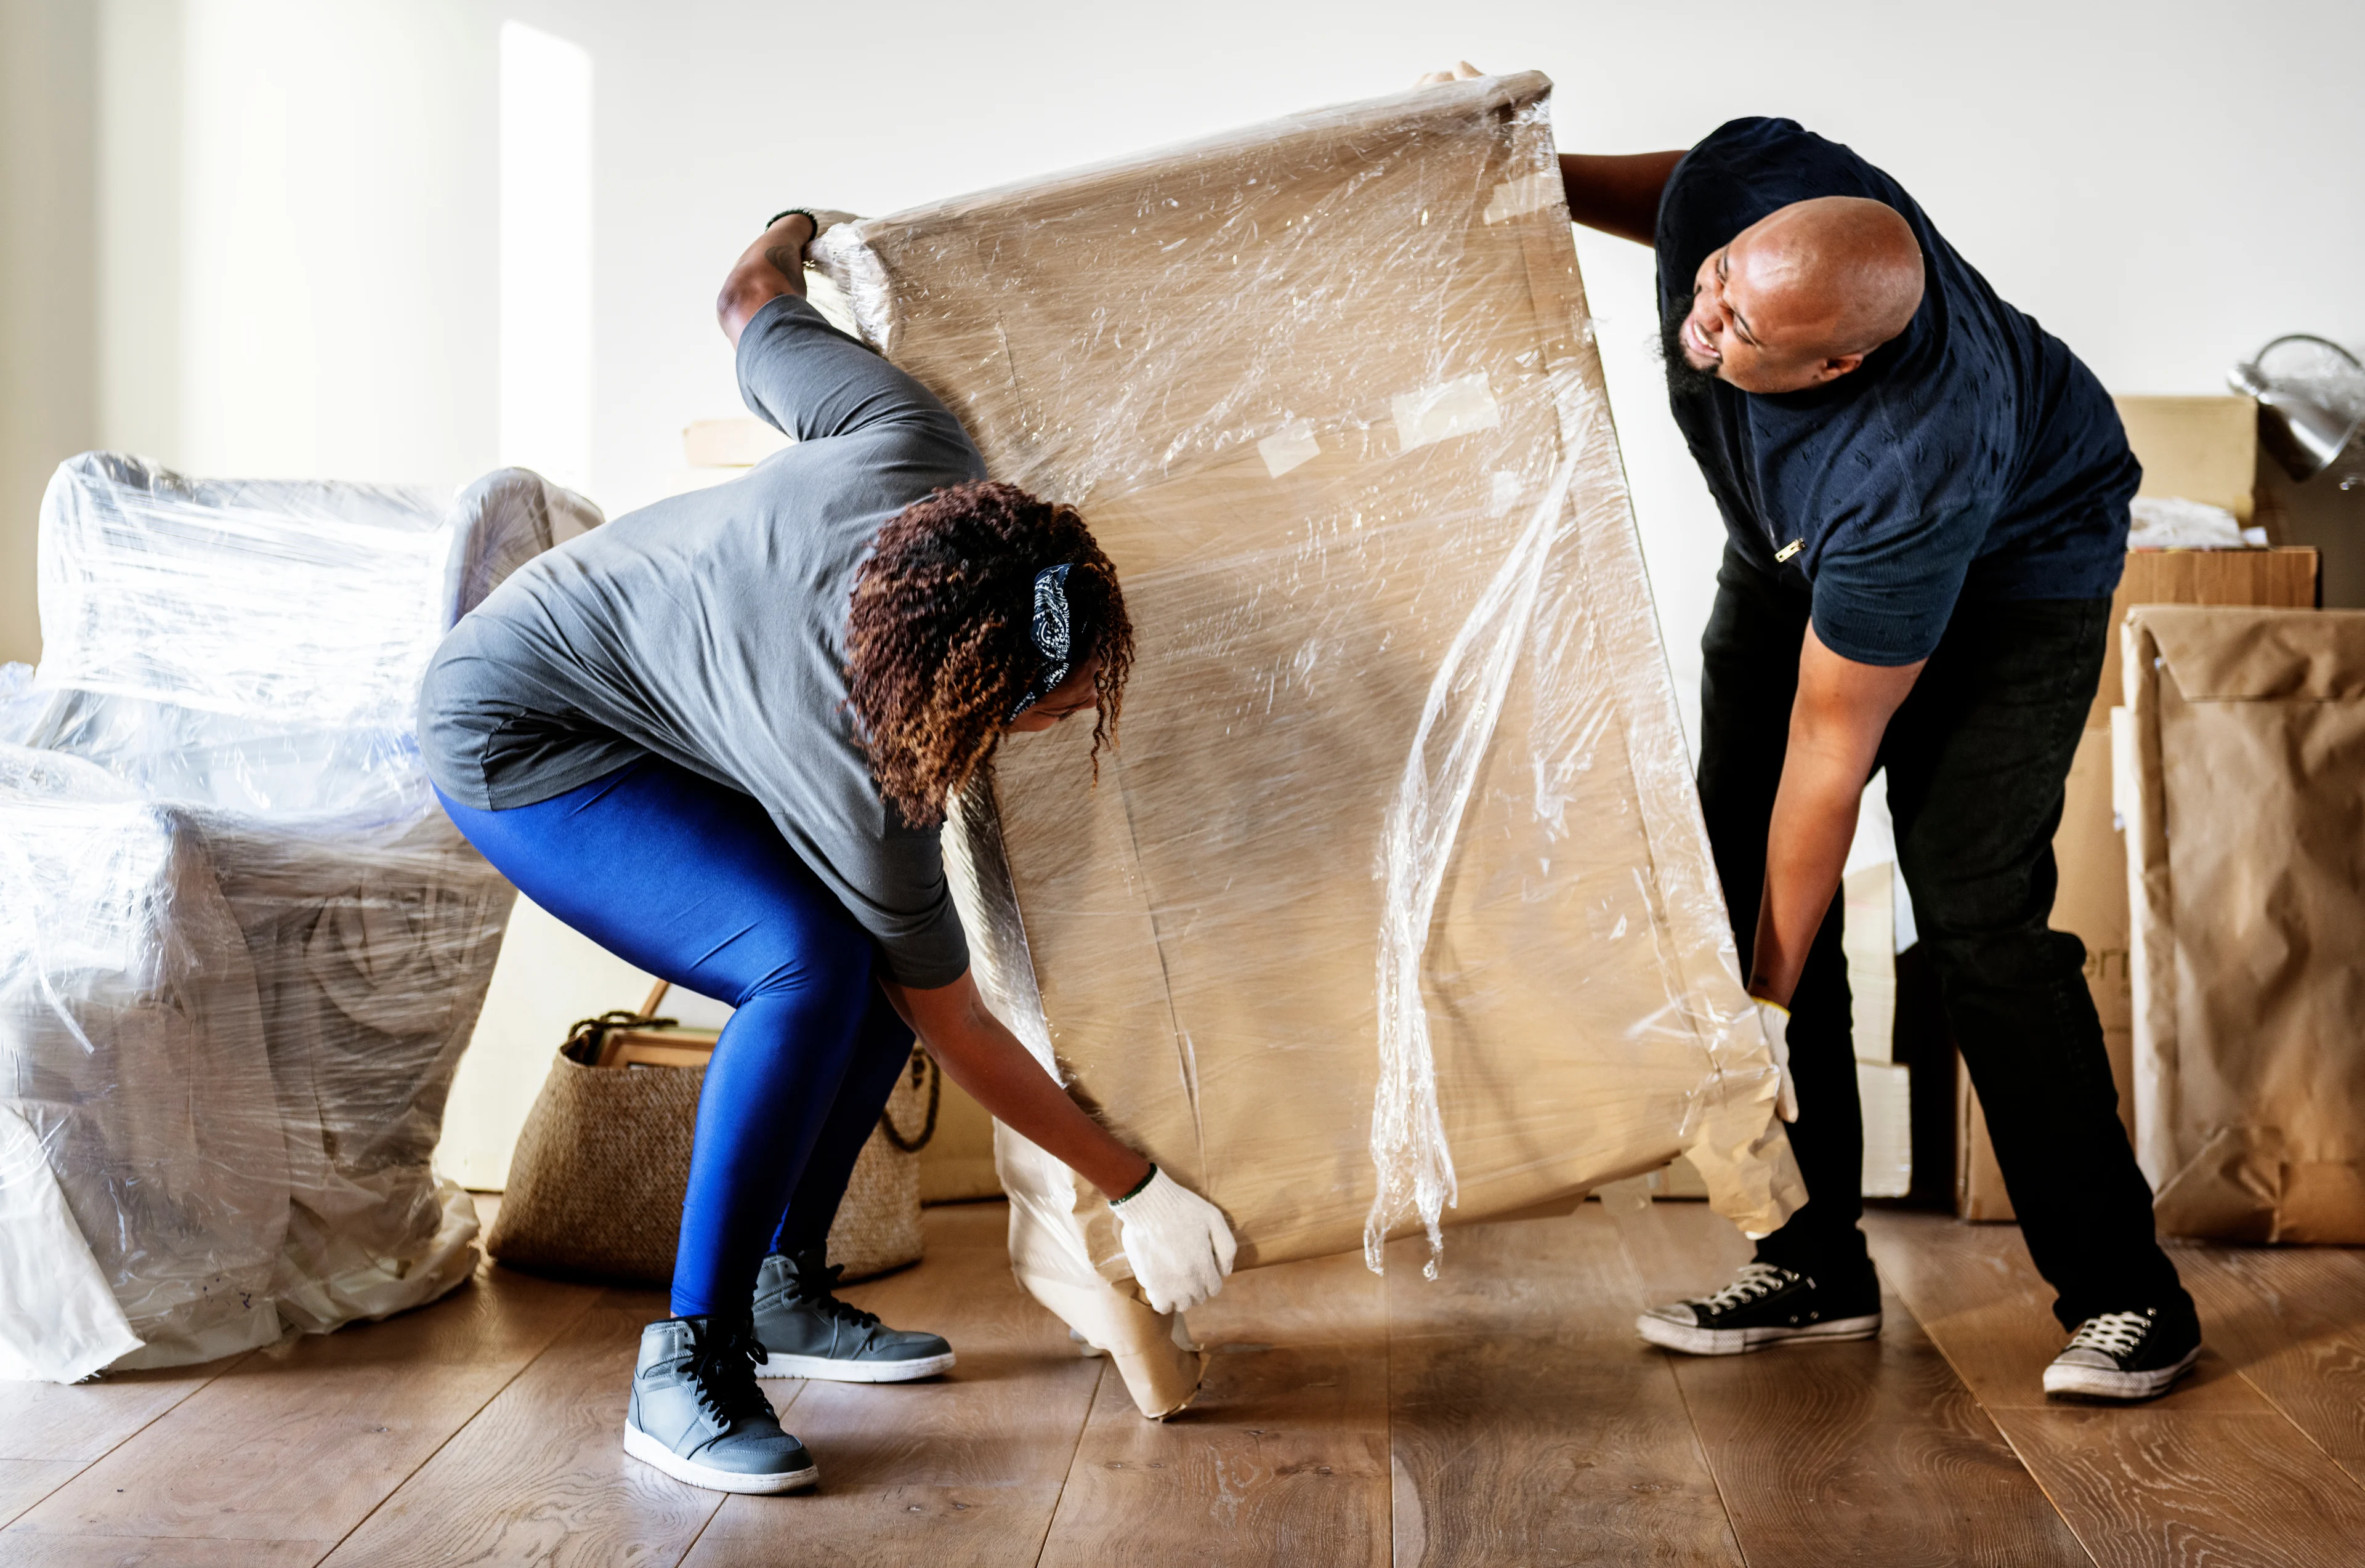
x: 1775, y: 1019
x: 1178, y: 1242
x: 1837, y: 720
x: 1462, y: 71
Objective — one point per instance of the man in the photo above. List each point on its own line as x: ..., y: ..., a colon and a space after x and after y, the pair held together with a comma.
x: 1926, y: 496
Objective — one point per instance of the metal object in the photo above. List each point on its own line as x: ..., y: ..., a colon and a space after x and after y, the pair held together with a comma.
x: 2312, y: 392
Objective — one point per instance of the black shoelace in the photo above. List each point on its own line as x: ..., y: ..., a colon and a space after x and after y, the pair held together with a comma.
x: 816, y: 1288
x: 721, y: 1372
x: 1754, y: 1282
x: 2116, y: 1334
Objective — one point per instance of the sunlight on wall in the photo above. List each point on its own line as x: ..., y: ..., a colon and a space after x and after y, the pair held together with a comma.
x: 546, y: 206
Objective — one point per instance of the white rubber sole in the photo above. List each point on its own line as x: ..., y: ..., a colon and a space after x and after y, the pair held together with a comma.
x: 823, y: 1369
x: 2118, y: 1387
x: 650, y: 1451
x: 1694, y: 1340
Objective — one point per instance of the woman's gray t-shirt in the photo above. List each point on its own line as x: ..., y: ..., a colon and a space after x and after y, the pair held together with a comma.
x: 710, y: 630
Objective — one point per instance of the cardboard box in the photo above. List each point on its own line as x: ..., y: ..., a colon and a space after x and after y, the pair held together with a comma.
x: 1397, y: 888
x: 2241, y: 764
x: 2092, y: 903
x: 2201, y: 449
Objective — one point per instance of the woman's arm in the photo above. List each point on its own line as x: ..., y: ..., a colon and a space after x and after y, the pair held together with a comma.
x: 773, y: 265
x: 1179, y: 1245
x: 984, y: 1057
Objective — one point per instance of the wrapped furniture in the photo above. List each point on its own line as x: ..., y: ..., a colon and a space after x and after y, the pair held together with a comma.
x: 2239, y: 771
x: 241, y: 946
x: 1396, y: 897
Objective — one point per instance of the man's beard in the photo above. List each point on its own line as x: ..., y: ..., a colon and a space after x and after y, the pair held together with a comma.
x: 1683, y: 380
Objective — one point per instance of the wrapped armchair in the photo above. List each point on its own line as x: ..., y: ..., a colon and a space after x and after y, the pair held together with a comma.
x: 240, y: 947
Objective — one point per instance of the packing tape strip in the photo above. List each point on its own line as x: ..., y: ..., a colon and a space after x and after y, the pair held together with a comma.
x: 1516, y: 198
x: 1449, y: 409
x: 1288, y: 447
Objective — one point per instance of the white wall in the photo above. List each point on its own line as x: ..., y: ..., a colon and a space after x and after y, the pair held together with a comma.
x: 49, y: 51
x: 298, y: 245
x: 299, y: 198
x: 2164, y: 185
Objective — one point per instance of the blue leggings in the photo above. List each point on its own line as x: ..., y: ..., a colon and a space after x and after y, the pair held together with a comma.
x: 689, y: 881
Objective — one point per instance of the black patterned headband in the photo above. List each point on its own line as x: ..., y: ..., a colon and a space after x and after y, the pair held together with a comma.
x: 1054, y: 636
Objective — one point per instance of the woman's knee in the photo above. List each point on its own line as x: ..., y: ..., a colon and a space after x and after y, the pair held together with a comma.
x: 811, y: 960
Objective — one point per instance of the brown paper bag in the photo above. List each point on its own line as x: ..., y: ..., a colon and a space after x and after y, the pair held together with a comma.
x: 2240, y: 771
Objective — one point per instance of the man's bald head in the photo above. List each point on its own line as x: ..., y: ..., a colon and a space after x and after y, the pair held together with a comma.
x: 1801, y: 296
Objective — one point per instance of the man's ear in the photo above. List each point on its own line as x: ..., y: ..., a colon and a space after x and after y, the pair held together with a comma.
x: 1834, y: 367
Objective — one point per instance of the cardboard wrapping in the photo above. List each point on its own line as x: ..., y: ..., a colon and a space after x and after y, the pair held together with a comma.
x: 1394, y: 905
x: 2092, y: 903
x: 2240, y: 765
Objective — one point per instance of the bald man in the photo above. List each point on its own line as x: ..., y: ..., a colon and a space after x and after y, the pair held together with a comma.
x: 1925, y: 502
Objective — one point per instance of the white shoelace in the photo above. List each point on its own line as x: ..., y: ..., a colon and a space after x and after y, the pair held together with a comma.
x: 2116, y: 1334
x: 1756, y: 1280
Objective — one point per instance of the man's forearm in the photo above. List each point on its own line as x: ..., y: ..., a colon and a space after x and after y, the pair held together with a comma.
x: 1806, y: 852
x: 1837, y: 720
x: 1618, y: 195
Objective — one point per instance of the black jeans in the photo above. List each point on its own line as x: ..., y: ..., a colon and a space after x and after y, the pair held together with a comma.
x: 1977, y: 759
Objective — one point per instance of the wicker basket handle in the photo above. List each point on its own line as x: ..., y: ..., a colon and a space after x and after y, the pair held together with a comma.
x: 923, y: 1066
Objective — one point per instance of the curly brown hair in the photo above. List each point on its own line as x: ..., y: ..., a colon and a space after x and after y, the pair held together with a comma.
x: 941, y: 635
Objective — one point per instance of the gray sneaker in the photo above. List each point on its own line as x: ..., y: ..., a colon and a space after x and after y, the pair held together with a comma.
x: 697, y: 1416
x: 807, y: 1332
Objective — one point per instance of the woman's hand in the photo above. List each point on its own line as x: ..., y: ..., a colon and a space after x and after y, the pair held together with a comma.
x: 1178, y: 1243
x: 773, y: 265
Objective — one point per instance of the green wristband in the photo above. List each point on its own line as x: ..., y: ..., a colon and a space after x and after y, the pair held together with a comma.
x: 1137, y: 1186
x: 805, y: 213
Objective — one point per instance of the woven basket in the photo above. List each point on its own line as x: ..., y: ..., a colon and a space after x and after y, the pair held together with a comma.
x: 596, y: 1183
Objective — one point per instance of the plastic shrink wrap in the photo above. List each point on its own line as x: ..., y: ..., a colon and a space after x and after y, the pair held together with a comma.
x: 2239, y: 767
x: 1395, y: 896
x: 241, y: 946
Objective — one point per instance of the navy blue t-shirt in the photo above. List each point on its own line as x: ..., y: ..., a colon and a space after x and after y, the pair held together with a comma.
x: 1971, y: 457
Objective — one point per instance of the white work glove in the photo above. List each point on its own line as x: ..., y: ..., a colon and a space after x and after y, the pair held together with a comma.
x: 1177, y: 1241
x: 1776, y: 1020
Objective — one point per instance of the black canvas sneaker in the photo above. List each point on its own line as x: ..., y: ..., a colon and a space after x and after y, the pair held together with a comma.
x: 1765, y: 1305
x: 808, y: 1332
x: 697, y: 1416
x: 2125, y: 1356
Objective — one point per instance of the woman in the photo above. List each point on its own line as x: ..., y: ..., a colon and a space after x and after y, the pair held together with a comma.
x: 718, y: 736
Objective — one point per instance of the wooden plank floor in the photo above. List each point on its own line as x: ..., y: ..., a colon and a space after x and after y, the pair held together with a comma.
x: 1501, y: 1414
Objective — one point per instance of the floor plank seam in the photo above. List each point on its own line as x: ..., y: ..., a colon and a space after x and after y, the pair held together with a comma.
x: 1388, y: 1415
x: 8, y: 1523
x: 697, y: 1535
x: 2297, y: 1425
x: 449, y: 1438
x: 1962, y: 1375
x: 96, y: 1458
x: 1699, y: 1442
x: 1639, y: 1296
x: 1075, y: 1449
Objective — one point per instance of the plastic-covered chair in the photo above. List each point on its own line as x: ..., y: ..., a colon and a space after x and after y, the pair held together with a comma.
x: 241, y: 946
